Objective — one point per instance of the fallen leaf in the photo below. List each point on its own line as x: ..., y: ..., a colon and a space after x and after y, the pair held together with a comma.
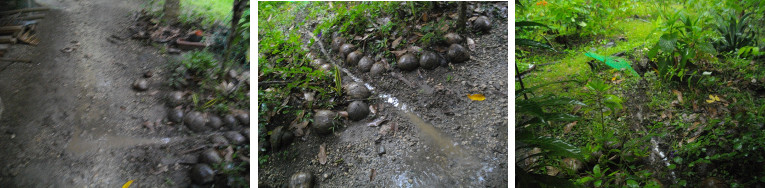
x: 568, y: 127
x: 694, y: 126
x: 376, y: 122
x: 471, y: 44
x: 322, y: 154
x: 476, y: 97
x: 713, y: 98
x: 679, y: 95
x: 471, y: 19
x: 398, y: 53
x: 424, y: 16
x: 126, y: 185
x: 372, y: 175
x: 695, y: 107
x: 692, y: 139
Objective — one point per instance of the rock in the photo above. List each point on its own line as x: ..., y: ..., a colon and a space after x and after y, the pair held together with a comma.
x: 428, y: 60
x: 346, y: 49
x: 326, y: 67
x: 365, y: 64
x: 234, y: 137
x: 377, y: 69
x: 246, y: 132
x: 141, y: 84
x: 381, y: 150
x: 324, y: 120
x: 457, y: 54
x: 453, y: 38
x: 482, y: 24
x: 175, y: 98
x: 712, y: 182
x: 358, y: 110
x: 195, y: 121
x: 357, y: 90
x: 243, y: 118
x: 301, y: 180
x: 276, y: 137
x: 214, y: 122
x: 572, y: 164
x: 202, y: 173
x: 175, y: 115
x: 336, y: 43
x: 317, y: 63
x: 230, y: 121
x: 148, y: 74
x: 353, y: 58
x: 219, y: 140
x: 407, y: 62
x: 210, y: 156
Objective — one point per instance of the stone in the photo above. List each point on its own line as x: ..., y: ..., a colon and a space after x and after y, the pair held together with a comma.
x: 428, y: 60
x: 230, y: 121
x: 317, y: 63
x: 175, y: 115
x: 141, y: 84
x: 572, y: 164
x: 195, y: 121
x: 301, y: 180
x: 324, y: 120
x: 243, y: 118
x: 353, y: 58
x: 365, y: 64
x: 234, y: 137
x: 453, y: 38
x: 358, y: 110
x: 276, y: 137
x: 346, y: 49
x: 148, y: 74
x: 407, y: 62
x: 357, y: 90
x: 381, y: 150
x: 482, y: 24
x: 210, y: 156
x: 175, y: 98
x: 457, y: 54
x: 712, y: 182
x: 219, y: 140
x: 337, y: 42
x: 202, y: 173
x: 377, y: 69
x: 214, y: 122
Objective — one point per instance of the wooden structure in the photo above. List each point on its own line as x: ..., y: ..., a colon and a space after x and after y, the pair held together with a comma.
x: 18, y: 27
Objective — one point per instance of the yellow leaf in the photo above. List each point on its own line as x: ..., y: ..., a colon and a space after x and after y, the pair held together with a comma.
x: 127, y: 184
x: 477, y: 97
x: 713, y: 98
x: 613, y: 79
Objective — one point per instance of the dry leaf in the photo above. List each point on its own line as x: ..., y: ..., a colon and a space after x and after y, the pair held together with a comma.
x: 694, y: 126
x: 471, y: 19
x: 127, y: 184
x: 692, y: 139
x: 471, y: 44
x: 568, y: 127
x: 376, y: 122
x: 398, y: 53
x: 476, y: 97
x: 396, y: 42
x: 713, y: 98
x: 322, y: 154
x: 424, y: 16
x: 679, y: 95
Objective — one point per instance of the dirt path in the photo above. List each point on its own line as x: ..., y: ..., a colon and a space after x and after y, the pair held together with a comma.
x: 72, y: 120
x: 441, y: 139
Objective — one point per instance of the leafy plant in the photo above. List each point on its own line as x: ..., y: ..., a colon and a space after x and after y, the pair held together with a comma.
x: 682, y: 46
x: 735, y: 32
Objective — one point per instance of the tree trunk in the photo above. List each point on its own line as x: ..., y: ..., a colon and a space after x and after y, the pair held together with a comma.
x: 461, y: 21
x: 171, y: 9
x: 239, y: 7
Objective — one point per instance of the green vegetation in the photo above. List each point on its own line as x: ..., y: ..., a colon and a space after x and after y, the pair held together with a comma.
x: 205, y: 14
x: 696, y: 95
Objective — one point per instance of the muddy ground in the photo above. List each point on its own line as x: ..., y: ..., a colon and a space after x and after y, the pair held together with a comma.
x: 441, y: 138
x: 71, y: 119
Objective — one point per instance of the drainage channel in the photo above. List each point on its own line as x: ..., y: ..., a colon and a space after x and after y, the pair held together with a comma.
x: 421, y: 171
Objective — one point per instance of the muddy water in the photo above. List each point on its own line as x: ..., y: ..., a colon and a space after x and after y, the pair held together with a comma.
x: 81, y: 143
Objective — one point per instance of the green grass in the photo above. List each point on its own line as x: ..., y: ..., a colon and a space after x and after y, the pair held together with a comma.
x: 203, y: 13
x: 574, y: 64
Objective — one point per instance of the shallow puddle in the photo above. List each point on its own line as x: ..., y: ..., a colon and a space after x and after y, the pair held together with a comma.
x: 80, y: 144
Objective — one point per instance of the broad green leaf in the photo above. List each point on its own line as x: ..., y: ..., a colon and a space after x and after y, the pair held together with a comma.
x: 529, y: 24
x: 667, y: 42
x: 632, y: 183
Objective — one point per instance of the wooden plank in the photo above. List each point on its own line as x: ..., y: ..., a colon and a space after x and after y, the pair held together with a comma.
x: 36, y: 9
x: 10, y: 29
x: 7, y: 40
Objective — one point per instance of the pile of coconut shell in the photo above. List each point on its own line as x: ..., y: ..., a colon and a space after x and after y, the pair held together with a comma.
x: 228, y: 132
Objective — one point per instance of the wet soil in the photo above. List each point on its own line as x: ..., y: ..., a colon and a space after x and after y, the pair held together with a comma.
x: 72, y: 119
x: 438, y: 137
